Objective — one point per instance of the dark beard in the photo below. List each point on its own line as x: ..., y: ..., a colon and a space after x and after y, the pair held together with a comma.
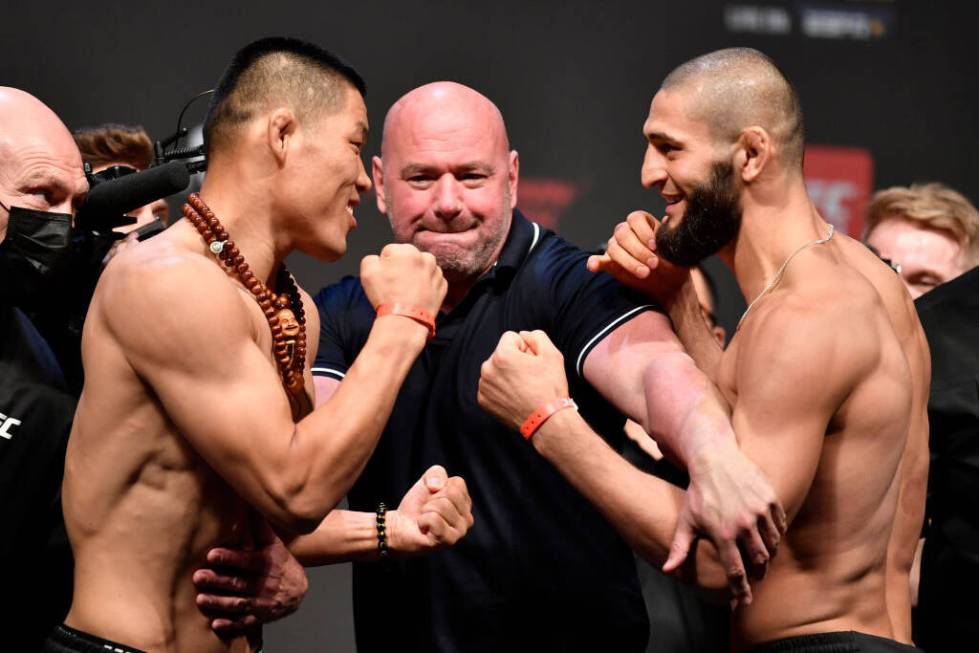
x: 711, y: 221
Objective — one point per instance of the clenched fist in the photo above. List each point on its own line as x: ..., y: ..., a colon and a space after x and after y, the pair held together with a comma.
x: 435, y: 513
x: 525, y: 372
x: 632, y: 260
x: 404, y: 275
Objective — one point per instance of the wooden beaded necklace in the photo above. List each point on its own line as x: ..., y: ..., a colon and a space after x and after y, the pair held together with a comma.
x: 284, y: 312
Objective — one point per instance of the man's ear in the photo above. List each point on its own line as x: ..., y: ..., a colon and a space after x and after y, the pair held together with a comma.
x: 513, y: 176
x: 280, y: 132
x: 377, y: 172
x: 754, y: 152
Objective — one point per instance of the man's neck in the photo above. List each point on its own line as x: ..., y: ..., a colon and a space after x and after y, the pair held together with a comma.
x: 248, y: 219
x: 770, y: 232
x: 459, y: 287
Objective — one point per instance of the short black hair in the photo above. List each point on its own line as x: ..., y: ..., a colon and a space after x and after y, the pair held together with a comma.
x: 278, y: 68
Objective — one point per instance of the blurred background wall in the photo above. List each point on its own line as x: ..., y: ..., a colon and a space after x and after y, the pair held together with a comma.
x: 888, y: 88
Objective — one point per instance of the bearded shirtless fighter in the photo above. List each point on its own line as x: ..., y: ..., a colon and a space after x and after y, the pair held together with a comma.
x: 826, y: 377
x: 194, y: 426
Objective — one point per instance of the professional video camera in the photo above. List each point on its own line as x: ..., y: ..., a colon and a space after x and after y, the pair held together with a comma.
x: 113, y: 193
x: 117, y: 190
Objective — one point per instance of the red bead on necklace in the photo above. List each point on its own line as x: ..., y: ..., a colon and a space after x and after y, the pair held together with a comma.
x: 284, y: 312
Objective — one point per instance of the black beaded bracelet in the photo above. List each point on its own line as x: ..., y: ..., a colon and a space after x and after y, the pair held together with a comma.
x: 382, y: 542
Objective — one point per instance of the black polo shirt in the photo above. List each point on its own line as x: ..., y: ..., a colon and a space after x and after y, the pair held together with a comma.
x: 540, y: 569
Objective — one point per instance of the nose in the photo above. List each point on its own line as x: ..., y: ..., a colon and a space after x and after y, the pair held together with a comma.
x: 363, y: 181
x: 448, y: 203
x: 653, y: 173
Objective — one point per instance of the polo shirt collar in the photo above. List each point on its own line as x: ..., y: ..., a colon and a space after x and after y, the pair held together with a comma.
x: 523, y: 237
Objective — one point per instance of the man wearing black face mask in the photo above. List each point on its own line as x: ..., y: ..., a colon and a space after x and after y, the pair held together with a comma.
x: 41, y: 181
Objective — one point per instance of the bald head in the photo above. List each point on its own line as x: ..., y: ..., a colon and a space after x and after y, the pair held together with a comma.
x: 736, y: 88
x: 446, y: 178
x: 40, y: 167
x: 448, y: 109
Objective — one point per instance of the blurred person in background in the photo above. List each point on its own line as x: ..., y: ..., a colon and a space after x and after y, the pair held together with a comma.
x: 129, y: 149
x: 929, y: 233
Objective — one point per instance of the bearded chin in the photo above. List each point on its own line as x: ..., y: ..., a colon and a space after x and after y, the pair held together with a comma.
x: 711, y: 221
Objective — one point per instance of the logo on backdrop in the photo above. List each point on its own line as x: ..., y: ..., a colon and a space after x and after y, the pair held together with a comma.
x: 840, y: 181
x: 545, y: 199
x: 850, y: 21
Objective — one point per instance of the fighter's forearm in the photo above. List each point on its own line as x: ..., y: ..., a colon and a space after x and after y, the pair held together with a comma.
x: 692, y: 330
x: 344, y: 536
x: 685, y: 413
x: 642, y: 508
x: 331, y: 445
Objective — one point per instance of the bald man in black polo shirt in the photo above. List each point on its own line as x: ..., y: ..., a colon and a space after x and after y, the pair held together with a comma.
x: 540, y: 568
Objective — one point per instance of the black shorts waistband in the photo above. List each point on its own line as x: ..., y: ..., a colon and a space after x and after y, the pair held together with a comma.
x: 65, y: 639
x: 839, y: 642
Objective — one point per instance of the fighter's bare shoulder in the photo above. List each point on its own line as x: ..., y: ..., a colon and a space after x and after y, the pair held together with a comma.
x: 819, y: 323
x: 155, y: 297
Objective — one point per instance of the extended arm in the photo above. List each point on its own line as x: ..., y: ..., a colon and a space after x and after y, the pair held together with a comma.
x: 194, y: 341
x: 642, y: 369
x: 780, y: 421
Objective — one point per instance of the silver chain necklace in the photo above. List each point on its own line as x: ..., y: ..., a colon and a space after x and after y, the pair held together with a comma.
x: 781, y: 271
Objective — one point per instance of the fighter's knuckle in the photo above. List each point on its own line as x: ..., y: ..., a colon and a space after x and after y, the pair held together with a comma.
x: 437, y: 526
x: 735, y: 573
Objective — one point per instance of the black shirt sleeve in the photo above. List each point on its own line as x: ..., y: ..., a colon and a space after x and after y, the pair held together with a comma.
x: 582, y: 307
x: 346, y: 317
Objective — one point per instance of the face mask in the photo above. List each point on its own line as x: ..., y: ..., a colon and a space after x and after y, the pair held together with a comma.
x: 32, y: 253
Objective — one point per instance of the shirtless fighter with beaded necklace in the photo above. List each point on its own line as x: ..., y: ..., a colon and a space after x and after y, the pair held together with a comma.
x: 195, y: 427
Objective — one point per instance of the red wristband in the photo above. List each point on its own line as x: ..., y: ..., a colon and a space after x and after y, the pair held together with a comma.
x: 542, y: 414
x: 419, y: 315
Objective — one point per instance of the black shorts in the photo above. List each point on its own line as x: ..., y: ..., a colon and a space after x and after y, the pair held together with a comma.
x: 65, y: 639
x: 842, y: 642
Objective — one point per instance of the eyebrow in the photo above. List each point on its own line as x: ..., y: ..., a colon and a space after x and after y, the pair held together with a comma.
x: 660, y: 136
x: 57, y: 180
x: 470, y: 166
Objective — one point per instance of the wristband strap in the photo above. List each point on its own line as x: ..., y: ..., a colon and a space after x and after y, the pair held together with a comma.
x: 380, y: 522
x: 542, y: 414
x: 419, y: 315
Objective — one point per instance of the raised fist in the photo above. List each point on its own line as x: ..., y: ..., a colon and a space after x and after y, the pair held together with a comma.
x: 632, y: 260
x: 525, y: 372
x: 404, y: 275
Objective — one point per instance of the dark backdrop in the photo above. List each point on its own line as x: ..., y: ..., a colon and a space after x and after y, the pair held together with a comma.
x: 573, y: 79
